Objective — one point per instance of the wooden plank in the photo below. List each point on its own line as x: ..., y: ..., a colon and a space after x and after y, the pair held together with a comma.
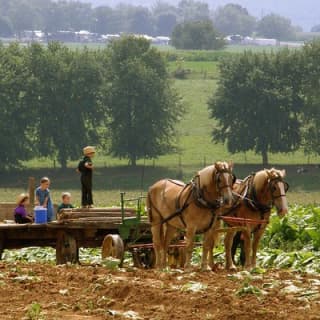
x: 73, y: 215
x: 106, y: 209
x: 76, y: 224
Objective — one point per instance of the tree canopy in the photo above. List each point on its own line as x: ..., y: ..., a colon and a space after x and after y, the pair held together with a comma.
x: 50, y: 101
x: 276, y: 26
x: 234, y: 19
x: 69, y: 107
x: 311, y: 114
x: 143, y: 108
x: 196, y: 35
x: 258, y: 103
x: 16, y: 133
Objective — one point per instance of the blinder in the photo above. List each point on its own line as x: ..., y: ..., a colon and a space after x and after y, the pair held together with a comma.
x: 273, y: 188
x: 218, y: 179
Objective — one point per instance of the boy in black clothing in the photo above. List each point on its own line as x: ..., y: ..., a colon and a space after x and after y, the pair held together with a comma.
x: 85, y: 167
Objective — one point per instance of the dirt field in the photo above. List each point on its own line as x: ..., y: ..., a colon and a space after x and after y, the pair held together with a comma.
x: 43, y: 291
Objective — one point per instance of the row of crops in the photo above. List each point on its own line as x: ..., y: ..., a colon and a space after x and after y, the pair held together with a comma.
x: 291, y: 242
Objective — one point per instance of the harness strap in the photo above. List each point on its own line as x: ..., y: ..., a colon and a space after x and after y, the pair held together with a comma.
x: 176, y: 213
x: 198, y: 195
x: 214, y: 217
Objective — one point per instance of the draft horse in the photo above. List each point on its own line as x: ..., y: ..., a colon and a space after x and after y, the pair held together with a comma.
x: 193, y: 207
x: 257, y: 195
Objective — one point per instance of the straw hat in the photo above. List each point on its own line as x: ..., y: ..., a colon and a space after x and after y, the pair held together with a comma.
x: 21, y: 197
x: 65, y: 194
x: 89, y: 149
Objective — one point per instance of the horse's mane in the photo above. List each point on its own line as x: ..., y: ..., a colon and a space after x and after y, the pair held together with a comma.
x: 267, y: 174
x: 206, y: 174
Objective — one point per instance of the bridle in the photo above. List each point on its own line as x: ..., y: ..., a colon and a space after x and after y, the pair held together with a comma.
x: 199, y: 193
x: 216, y: 177
x: 272, y: 187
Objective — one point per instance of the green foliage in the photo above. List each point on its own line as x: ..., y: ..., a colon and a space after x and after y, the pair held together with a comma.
x: 16, y: 81
x: 257, y: 103
x: 196, y: 35
x: 34, y: 312
x: 196, y: 55
x: 276, y: 26
x: 311, y: 74
x: 234, y: 19
x: 248, y: 289
x: 142, y: 105
x: 68, y: 108
x: 298, y: 230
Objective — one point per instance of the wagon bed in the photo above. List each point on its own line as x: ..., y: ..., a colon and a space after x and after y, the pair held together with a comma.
x: 77, y: 228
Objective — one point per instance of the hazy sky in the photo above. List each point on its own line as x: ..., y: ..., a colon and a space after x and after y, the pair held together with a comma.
x: 305, y: 13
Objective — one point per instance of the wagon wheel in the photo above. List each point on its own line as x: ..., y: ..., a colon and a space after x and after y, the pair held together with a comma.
x: 176, y: 257
x: 144, y: 258
x: 112, y: 246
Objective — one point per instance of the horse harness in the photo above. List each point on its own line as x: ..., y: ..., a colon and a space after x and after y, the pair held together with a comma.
x: 196, y: 195
x: 251, y: 201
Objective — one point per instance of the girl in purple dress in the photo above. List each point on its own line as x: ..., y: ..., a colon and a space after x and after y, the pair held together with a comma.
x: 20, y: 213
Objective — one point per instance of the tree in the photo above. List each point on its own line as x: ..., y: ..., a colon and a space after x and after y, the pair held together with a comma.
x: 190, y: 10
x: 311, y: 114
x: 165, y: 17
x: 234, y: 19
x: 16, y: 116
x: 196, y: 35
x: 276, y: 26
x: 69, y: 94
x: 140, y: 21
x: 143, y: 108
x: 23, y: 17
x: 165, y: 23
x: 316, y: 28
x: 101, y: 18
x: 258, y: 103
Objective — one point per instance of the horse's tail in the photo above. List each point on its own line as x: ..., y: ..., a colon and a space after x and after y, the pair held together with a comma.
x: 149, y: 206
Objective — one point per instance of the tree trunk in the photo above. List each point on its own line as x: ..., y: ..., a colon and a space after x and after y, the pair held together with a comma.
x: 133, y: 161
x: 63, y: 163
x: 265, y: 161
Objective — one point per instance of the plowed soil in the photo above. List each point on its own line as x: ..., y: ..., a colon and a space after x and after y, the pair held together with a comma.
x: 44, y: 291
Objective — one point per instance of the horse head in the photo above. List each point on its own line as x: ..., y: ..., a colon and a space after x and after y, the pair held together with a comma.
x: 274, y: 188
x: 216, y: 181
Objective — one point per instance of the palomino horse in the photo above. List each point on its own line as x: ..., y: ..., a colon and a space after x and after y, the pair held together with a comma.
x: 257, y: 193
x: 173, y: 205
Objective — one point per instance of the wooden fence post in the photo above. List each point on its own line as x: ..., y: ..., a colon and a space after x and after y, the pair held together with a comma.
x: 31, y: 188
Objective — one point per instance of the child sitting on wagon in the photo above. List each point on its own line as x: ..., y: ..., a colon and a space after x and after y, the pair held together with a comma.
x: 20, y: 212
x: 66, y: 202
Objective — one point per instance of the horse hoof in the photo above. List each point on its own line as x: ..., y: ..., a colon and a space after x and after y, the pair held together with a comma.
x: 188, y: 269
x: 206, y: 269
x: 231, y: 268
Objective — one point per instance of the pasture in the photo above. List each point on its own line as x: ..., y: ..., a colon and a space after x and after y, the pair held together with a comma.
x: 95, y: 290
x: 195, y: 148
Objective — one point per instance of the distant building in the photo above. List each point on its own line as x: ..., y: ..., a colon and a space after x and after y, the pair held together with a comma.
x: 62, y: 36
x: 32, y: 36
x: 161, y: 40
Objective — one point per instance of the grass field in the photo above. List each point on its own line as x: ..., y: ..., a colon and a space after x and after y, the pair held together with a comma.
x: 196, y: 150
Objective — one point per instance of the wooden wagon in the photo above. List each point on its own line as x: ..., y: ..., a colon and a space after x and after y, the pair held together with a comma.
x: 114, y: 229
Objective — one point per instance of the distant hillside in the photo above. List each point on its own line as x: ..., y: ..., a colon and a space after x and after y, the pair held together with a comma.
x: 303, y: 13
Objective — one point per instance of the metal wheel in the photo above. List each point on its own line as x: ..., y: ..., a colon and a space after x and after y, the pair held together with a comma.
x: 112, y: 246
x: 144, y: 258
